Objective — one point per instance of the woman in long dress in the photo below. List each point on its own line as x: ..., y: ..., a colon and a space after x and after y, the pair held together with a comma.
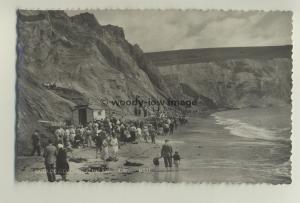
x: 139, y: 133
x: 146, y: 133
x: 115, y: 147
x: 105, y: 154
x: 72, y: 135
x: 62, y: 165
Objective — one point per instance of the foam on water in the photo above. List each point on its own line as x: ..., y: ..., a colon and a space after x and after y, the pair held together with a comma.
x: 238, y: 128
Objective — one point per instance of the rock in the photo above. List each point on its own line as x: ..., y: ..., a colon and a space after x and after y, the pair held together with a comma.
x: 128, y: 163
x: 95, y: 168
x: 77, y: 160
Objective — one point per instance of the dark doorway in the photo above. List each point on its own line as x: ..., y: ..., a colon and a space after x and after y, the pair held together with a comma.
x: 82, y: 116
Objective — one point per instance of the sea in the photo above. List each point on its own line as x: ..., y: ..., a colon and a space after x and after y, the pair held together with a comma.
x: 251, y: 145
x: 272, y: 124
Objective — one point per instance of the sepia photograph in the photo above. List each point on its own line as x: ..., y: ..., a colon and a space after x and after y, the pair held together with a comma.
x: 176, y: 96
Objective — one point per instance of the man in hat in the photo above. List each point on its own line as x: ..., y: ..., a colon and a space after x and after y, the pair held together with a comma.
x: 50, y: 159
x: 166, y: 153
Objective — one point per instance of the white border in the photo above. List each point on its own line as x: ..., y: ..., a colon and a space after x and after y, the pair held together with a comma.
x: 126, y: 192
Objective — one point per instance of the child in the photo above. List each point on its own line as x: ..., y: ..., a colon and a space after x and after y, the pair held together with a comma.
x: 176, y: 158
x: 156, y: 162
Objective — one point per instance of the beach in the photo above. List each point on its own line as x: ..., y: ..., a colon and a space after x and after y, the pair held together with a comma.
x: 236, y: 146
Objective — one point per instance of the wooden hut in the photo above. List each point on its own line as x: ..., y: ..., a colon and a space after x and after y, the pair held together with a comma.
x: 83, y: 114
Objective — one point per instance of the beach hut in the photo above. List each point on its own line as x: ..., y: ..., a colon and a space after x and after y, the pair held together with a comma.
x: 98, y: 113
x: 82, y: 114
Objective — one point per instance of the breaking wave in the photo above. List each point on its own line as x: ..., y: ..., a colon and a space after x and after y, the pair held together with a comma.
x: 238, y: 128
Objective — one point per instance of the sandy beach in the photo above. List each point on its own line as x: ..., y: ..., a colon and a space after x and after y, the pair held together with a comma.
x: 209, y: 151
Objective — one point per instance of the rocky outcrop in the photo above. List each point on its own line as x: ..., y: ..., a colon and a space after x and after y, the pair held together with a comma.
x: 229, y: 77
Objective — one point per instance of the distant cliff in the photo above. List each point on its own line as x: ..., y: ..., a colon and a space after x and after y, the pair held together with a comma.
x: 85, y: 60
x: 229, y: 77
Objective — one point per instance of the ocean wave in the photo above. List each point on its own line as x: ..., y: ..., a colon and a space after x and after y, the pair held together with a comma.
x: 238, y: 128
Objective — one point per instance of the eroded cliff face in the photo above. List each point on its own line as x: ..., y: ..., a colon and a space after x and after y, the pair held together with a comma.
x: 87, y: 61
x: 253, y: 80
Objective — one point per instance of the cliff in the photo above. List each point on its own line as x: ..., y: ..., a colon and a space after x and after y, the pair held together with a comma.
x: 85, y: 60
x: 229, y: 77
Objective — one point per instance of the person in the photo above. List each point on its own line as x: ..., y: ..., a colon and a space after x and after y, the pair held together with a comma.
x: 152, y: 133
x: 50, y: 158
x: 166, y: 153
x: 66, y: 138
x: 139, y: 133
x: 172, y: 127
x: 175, y: 123
x: 88, y: 134
x: 109, y: 126
x: 89, y: 125
x: 62, y: 165
x: 60, y: 132
x: 115, y: 147
x: 78, y: 140
x: 36, y: 143
x: 127, y: 135
x: 146, y: 133
x: 133, y: 131
x: 106, y: 124
x: 176, y: 159
x: 72, y: 135
x: 166, y: 128
x: 98, y: 142
x: 156, y: 162
x: 117, y: 132
x: 105, y: 154
x: 160, y: 130
x: 145, y: 112
x: 95, y: 126
x: 168, y: 121
x: 122, y: 134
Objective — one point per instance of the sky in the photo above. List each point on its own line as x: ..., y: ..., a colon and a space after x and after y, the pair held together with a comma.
x: 158, y: 30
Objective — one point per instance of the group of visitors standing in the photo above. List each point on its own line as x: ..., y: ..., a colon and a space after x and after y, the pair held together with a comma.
x: 55, y: 157
x: 105, y: 135
x: 56, y: 162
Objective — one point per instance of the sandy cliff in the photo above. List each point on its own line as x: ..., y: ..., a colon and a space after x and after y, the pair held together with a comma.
x: 86, y: 60
x: 229, y: 77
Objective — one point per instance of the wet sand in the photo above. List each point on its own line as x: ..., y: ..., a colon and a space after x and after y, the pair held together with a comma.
x: 210, y: 154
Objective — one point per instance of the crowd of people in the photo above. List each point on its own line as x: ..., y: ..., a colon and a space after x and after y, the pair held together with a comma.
x: 105, y: 136
x: 110, y: 132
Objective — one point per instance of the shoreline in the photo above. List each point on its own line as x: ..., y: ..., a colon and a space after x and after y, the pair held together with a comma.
x: 210, y: 154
